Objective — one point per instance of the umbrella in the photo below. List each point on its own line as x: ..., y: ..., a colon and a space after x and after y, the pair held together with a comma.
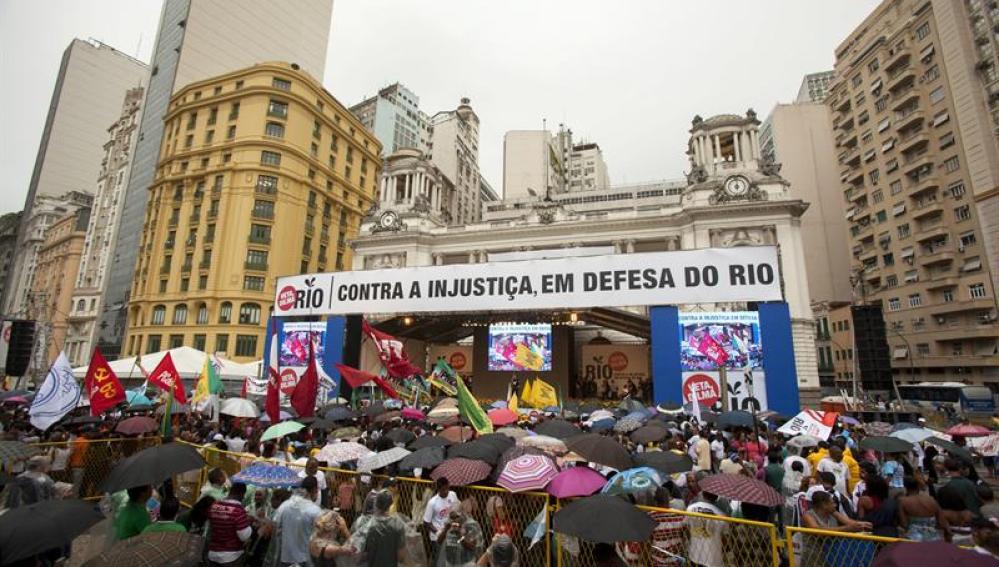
x: 600, y: 449
x: 428, y: 441
x: 442, y: 413
x: 381, y: 459
x: 340, y: 413
x: 741, y: 488
x: 374, y: 409
x: 885, y: 444
x: 545, y: 443
x: 665, y: 461
x: 413, y: 414
x: 803, y: 441
x: 737, y: 418
x: 176, y: 408
x: 906, y: 554
x: 346, y: 433
x: 903, y: 425
x: 282, y: 415
x: 627, y: 425
x: 629, y: 405
x: 16, y: 400
x: 401, y: 436
x: 668, y: 407
x: 279, y: 430
x: 579, y: 519
x: 498, y: 440
x: 968, y: 430
x: 849, y: 420
x: 641, y: 479
x: 602, y: 424
x: 239, y: 407
x: 461, y: 472
x: 14, y: 394
x: 951, y: 447
x: 557, y: 428
x: 576, y: 481
x: 388, y: 416
x: 137, y: 399
x: 649, y: 434
x: 527, y: 472
x: 457, y: 433
x: 878, y: 428
x: 84, y: 420
x: 476, y: 450
x: 913, y: 434
x: 266, y: 475
x: 152, y: 466
x: 342, y: 452
x: 601, y: 414
x: 503, y: 416
x: 11, y: 451
x: 155, y: 549
x: 321, y: 424
x: 137, y: 425
x: 425, y: 458
x: 640, y: 416
x: 513, y: 432
x: 511, y: 454
x: 27, y: 531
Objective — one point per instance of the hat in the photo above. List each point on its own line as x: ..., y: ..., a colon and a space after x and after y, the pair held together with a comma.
x: 217, y: 437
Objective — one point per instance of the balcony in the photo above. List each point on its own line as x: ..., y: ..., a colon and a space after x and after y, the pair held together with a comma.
x: 967, y: 331
x: 851, y: 157
x: 943, y: 281
x: 205, y: 264
x: 943, y: 361
x: 842, y: 105
x: 933, y: 232
x: 900, y: 78
x: 918, y: 162
x: 263, y: 214
x: 896, y: 58
x: 256, y: 266
x: 165, y: 269
x: 905, y: 99
x: 855, y: 194
x: 194, y: 219
x: 926, y: 210
x: 907, y: 118
x: 944, y: 255
x: 186, y: 267
x: 983, y: 304
x: 923, y: 185
x: 913, y: 141
x: 173, y: 221
x: 260, y: 239
x: 168, y: 245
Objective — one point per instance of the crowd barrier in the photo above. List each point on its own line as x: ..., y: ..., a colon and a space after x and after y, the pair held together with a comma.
x: 680, y: 537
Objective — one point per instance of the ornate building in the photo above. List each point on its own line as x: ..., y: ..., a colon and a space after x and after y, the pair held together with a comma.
x: 730, y: 198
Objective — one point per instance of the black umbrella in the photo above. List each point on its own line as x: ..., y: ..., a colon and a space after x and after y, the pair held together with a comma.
x: 374, y: 409
x: 557, y: 428
x: 322, y: 424
x: 498, y: 440
x: 84, y: 419
x: 590, y: 407
x: 27, y: 531
x: 886, y: 444
x: 737, y: 418
x: 426, y: 458
x: 400, y: 435
x: 604, y: 519
x: 428, y: 441
x: 600, y: 449
x: 649, y: 434
x: 152, y: 466
x: 476, y: 450
x: 665, y: 461
x: 340, y: 413
x: 951, y: 447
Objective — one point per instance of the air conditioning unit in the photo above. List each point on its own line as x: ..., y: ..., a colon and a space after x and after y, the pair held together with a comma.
x: 941, y: 320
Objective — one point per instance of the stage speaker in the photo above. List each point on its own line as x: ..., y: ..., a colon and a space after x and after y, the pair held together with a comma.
x: 22, y: 342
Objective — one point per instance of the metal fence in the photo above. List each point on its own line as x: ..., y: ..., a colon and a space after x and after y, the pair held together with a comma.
x: 822, y: 548
x: 87, y: 462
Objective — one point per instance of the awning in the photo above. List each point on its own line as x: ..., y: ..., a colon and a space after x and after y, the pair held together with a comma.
x: 901, y: 352
x: 888, y: 145
x: 926, y: 52
x: 906, y: 252
x: 875, y: 85
x: 972, y: 264
x: 898, y: 210
x: 941, y: 118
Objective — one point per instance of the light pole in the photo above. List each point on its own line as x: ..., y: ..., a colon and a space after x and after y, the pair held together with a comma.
x: 912, y: 368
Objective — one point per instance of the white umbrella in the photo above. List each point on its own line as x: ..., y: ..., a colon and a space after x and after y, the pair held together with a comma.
x: 803, y: 441
x: 913, y: 434
x: 239, y: 407
x: 342, y: 452
x: 374, y: 461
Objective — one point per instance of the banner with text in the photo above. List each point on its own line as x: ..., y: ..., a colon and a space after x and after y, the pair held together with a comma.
x: 458, y: 357
x: 810, y: 422
x: 747, y: 273
x: 747, y: 389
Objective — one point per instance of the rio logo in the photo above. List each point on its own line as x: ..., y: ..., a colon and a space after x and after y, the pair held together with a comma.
x: 458, y: 360
x: 291, y: 297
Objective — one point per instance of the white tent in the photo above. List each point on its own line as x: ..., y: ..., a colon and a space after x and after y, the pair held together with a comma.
x: 188, y: 361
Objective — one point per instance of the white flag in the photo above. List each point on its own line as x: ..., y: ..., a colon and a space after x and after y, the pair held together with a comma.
x: 58, y: 395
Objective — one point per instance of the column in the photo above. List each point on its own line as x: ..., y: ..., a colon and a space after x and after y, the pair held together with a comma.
x: 755, y: 143
x: 630, y: 246
x: 717, y: 143
x: 483, y: 257
x: 409, y: 187
x: 471, y: 257
x: 747, y: 146
x: 438, y: 258
x: 696, y: 148
x: 384, y: 188
x: 737, y: 144
x: 618, y: 246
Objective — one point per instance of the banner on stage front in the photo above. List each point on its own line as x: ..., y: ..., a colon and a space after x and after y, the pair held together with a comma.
x: 747, y: 389
x: 746, y: 273
x: 618, y: 364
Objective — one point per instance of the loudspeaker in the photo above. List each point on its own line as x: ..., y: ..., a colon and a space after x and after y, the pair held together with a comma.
x: 22, y: 342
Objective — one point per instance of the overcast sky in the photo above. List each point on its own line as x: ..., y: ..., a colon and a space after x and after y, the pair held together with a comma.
x: 627, y: 74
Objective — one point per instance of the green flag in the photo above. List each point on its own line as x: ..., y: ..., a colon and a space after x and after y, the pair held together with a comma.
x: 166, y: 426
x: 470, y: 408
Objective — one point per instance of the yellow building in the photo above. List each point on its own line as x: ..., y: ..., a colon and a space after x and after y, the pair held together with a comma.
x: 51, y: 300
x: 262, y: 173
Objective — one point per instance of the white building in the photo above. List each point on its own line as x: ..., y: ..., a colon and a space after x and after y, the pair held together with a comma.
x: 728, y: 200
x: 815, y: 86
x: 536, y: 161
x: 454, y: 148
x: 395, y: 117
x: 102, y: 229
x: 587, y: 168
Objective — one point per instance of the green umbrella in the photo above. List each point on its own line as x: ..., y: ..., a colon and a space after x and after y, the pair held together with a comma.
x: 279, y: 430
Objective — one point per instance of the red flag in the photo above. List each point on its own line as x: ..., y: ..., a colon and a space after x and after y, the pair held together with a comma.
x: 165, y: 377
x: 272, y: 404
x: 303, y: 398
x: 357, y: 378
x: 242, y: 393
x: 391, y: 353
x: 711, y: 349
x: 103, y: 387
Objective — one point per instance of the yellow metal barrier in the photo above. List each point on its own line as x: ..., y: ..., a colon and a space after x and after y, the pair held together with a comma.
x: 823, y: 548
x: 88, y: 461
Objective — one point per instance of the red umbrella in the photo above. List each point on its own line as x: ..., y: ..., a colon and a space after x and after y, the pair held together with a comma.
x: 503, y: 416
x: 460, y: 471
x: 457, y: 433
x: 137, y: 425
x: 413, y: 414
x: 907, y: 553
x: 969, y: 430
x: 741, y: 488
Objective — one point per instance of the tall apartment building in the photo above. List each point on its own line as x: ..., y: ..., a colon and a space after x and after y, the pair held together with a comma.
x: 9, y: 224
x: 261, y: 173
x: 815, y: 86
x: 587, y: 168
x: 536, y: 160
x: 454, y: 148
x: 395, y: 117
x: 52, y: 291
x: 88, y: 292
x: 905, y: 83
x: 86, y: 98
x: 196, y: 40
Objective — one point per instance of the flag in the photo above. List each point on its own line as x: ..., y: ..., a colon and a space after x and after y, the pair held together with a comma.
x: 165, y: 377
x: 58, y: 395
x: 696, y: 411
x: 543, y: 394
x: 810, y: 422
x: 103, y: 388
x: 303, y: 397
x: 208, y: 383
x: 526, y: 393
x: 166, y: 423
x: 527, y: 358
x: 391, y: 352
x: 469, y: 407
x: 711, y: 349
x: 511, y: 403
x: 272, y: 404
x: 357, y: 378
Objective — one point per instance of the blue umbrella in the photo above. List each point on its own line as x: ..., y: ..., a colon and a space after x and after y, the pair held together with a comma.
x: 602, y: 424
x: 640, y: 415
x: 340, y: 413
x: 137, y: 399
x: 902, y: 425
x: 268, y: 476
x: 641, y: 479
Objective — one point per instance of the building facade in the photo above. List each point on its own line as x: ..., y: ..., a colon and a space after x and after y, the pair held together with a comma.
x: 536, y: 161
x: 262, y: 173
x: 395, y: 117
x: 587, y: 168
x: 454, y: 148
x: 727, y: 200
x: 9, y: 224
x: 412, y: 185
x: 815, y: 87
x: 196, y: 40
x: 918, y: 174
x: 86, y: 98
x: 51, y: 296
x: 88, y: 292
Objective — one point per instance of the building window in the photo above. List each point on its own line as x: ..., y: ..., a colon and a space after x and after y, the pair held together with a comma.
x: 895, y: 187
x: 267, y: 184
x: 903, y: 230
x: 873, y: 66
x: 253, y: 283
x: 282, y: 84
x: 856, y: 80
x: 962, y: 213
x: 225, y: 312
x: 882, y: 216
x: 888, y: 259
x: 231, y: 132
x: 874, y: 176
x: 923, y: 31
x: 185, y: 284
x: 263, y: 209
x: 894, y: 304
x: 209, y: 233
x: 176, y: 341
x: 915, y: 300
x: 948, y: 295
x: 246, y: 345
x: 249, y: 314
x: 189, y: 141
x: 192, y: 120
x: 163, y: 286
x: 256, y: 259
x: 260, y: 233
x: 202, y: 281
x: 931, y: 74
x: 153, y: 344
x: 922, y: 349
x: 947, y: 140
x: 274, y: 130
x: 180, y: 315
x: 199, y: 342
x: 222, y: 343
x: 878, y: 196
x: 234, y: 111
x: 976, y: 291
x: 881, y: 104
x: 277, y: 109
x: 270, y: 158
x: 936, y: 95
x: 891, y: 281
x: 209, y: 135
x: 202, y: 314
x: 159, y: 315
x: 968, y: 239
x: 952, y: 164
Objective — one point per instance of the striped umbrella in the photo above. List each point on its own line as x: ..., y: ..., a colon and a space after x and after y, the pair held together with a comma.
x: 527, y: 472
x: 266, y: 475
x: 461, y: 472
x: 741, y: 488
x: 342, y: 452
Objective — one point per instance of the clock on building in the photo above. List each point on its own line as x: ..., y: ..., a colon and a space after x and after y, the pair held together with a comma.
x: 388, y: 220
x: 736, y: 186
